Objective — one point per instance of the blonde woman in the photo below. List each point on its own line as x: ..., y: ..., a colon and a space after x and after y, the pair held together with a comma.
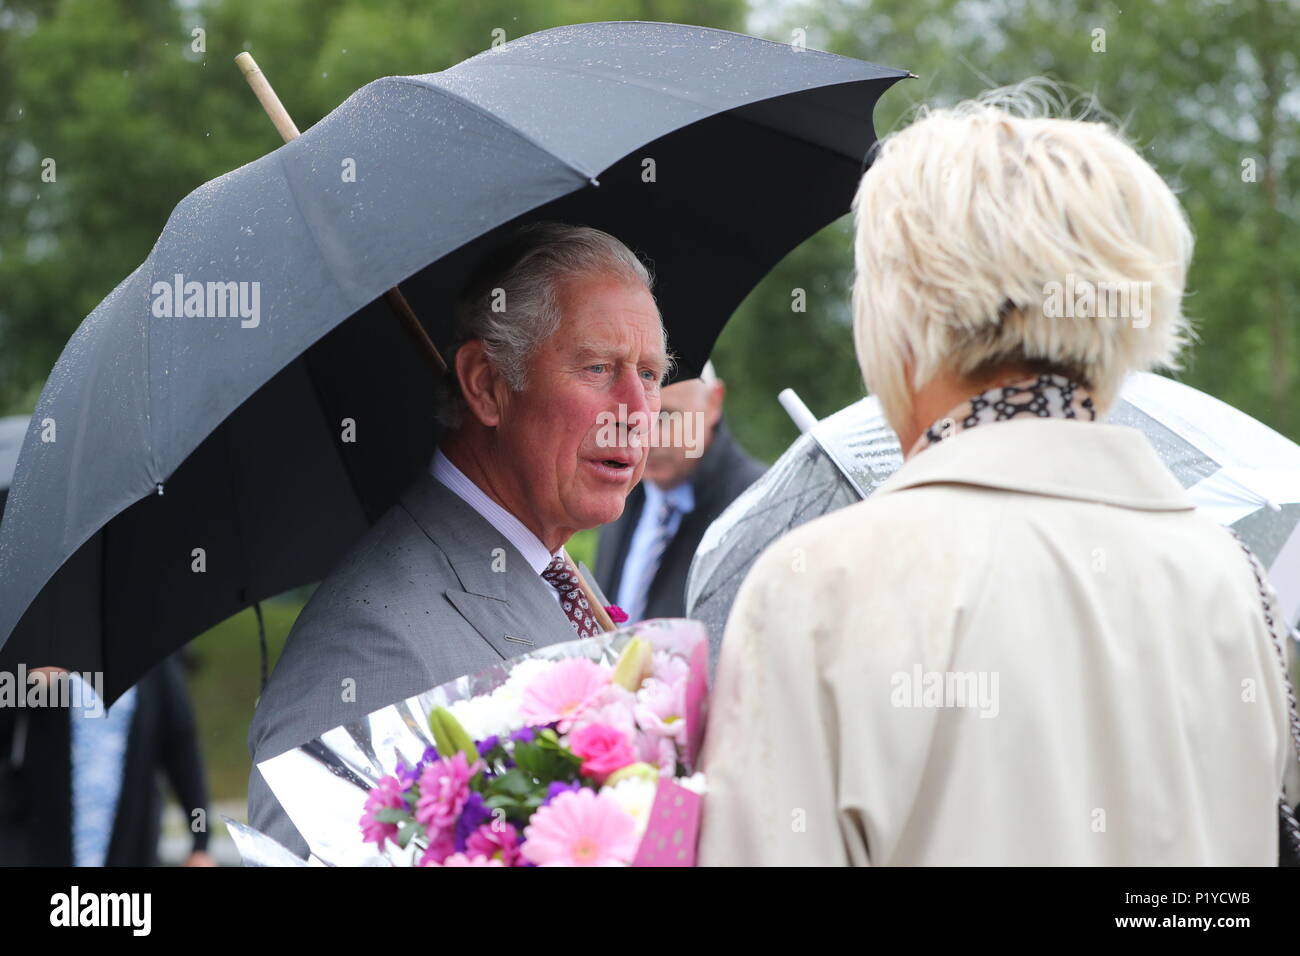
x: 1026, y: 647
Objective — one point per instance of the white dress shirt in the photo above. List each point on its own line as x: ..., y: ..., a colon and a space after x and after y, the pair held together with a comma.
x: 511, y: 528
x: 643, y: 551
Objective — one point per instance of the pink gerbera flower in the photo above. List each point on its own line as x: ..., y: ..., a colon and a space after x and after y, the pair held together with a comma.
x: 561, y: 693
x: 581, y: 828
x: 462, y: 859
x: 386, y: 794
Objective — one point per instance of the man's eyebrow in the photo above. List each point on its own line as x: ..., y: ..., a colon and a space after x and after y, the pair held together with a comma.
x: 584, y: 352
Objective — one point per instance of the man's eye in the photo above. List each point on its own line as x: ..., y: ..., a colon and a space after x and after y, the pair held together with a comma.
x: 650, y: 375
x: 597, y: 368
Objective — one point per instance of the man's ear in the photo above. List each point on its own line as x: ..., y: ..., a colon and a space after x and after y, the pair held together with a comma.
x: 713, y: 412
x: 479, y: 383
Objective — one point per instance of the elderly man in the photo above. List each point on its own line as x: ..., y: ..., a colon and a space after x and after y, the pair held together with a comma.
x: 555, y: 334
x: 694, y: 472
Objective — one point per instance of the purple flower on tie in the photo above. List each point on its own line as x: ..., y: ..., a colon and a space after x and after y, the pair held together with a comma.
x: 616, y: 614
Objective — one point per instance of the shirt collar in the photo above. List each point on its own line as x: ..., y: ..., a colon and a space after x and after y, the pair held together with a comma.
x: 681, y: 497
x: 510, y: 527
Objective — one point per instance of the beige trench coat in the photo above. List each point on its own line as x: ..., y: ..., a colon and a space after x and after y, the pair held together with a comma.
x: 1025, y: 648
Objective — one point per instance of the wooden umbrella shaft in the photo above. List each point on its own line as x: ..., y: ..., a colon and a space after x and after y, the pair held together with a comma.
x: 288, y: 130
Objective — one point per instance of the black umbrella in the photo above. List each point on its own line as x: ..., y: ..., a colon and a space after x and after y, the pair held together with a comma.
x: 201, y: 464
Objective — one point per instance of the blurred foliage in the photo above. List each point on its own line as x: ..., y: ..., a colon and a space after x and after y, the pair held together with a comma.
x: 1199, y: 86
x: 225, y: 682
x: 134, y: 119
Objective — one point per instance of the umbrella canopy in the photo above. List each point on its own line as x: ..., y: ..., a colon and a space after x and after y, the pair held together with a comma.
x: 205, y: 461
x: 1239, y: 471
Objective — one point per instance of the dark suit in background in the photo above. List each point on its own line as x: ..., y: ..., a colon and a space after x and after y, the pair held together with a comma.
x: 724, y: 471
x: 162, y: 737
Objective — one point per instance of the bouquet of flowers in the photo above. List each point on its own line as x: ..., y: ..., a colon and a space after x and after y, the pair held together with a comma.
x: 578, y: 754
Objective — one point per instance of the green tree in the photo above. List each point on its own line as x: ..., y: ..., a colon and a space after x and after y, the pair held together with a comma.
x: 135, y: 109
x: 1205, y: 89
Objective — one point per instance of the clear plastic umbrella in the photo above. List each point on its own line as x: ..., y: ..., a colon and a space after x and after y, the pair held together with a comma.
x: 1239, y: 471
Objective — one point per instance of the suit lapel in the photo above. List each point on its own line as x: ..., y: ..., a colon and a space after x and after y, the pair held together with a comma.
x: 500, y: 595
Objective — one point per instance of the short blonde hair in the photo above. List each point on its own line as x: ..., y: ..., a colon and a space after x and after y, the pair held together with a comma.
x: 977, y: 225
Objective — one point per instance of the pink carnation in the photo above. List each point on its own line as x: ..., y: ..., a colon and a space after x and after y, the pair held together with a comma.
x: 495, y: 844
x: 386, y: 794
x: 660, y: 709
x: 444, y: 788
x: 614, y: 706
x: 442, y: 844
x: 603, y: 750
x: 462, y: 859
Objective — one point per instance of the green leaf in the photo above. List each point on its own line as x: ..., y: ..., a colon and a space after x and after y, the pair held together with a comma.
x: 405, y: 834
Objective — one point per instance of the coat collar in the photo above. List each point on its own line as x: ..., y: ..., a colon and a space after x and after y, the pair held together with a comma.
x: 513, y: 609
x: 1059, y: 458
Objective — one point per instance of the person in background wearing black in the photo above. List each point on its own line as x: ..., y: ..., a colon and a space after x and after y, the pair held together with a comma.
x: 642, y: 559
x: 82, y: 790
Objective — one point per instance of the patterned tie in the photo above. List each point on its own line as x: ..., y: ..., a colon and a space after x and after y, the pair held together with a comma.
x: 655, y: 553
x: 564, y: 579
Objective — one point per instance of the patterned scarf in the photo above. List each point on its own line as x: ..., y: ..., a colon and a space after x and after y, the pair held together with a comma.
x: 1045, y: 396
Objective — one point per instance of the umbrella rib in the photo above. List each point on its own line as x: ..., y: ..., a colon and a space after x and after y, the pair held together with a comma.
x: 713, y: 109
x: 488, y: 114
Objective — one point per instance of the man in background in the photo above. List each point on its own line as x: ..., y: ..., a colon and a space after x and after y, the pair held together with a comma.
x: 642, y: 559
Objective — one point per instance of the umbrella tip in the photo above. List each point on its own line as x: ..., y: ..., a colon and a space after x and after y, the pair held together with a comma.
x: 593, y: 180
x: 160, y: 488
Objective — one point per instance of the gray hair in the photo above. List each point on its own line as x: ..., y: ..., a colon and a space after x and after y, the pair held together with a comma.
x: 512, y: 306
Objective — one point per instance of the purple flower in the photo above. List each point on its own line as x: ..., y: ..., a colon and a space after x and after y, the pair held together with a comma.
x: 524, y: 735
x: 472, y: 816
x: 488, y: 743
x: 557, y: 787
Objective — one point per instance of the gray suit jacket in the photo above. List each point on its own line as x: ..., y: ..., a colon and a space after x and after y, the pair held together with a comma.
x: 416, y: 603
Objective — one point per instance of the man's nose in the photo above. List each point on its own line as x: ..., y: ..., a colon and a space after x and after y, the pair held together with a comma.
x: 637, y: 409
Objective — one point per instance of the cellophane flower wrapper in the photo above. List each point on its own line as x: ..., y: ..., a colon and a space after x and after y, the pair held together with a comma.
x: 634, y: 797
